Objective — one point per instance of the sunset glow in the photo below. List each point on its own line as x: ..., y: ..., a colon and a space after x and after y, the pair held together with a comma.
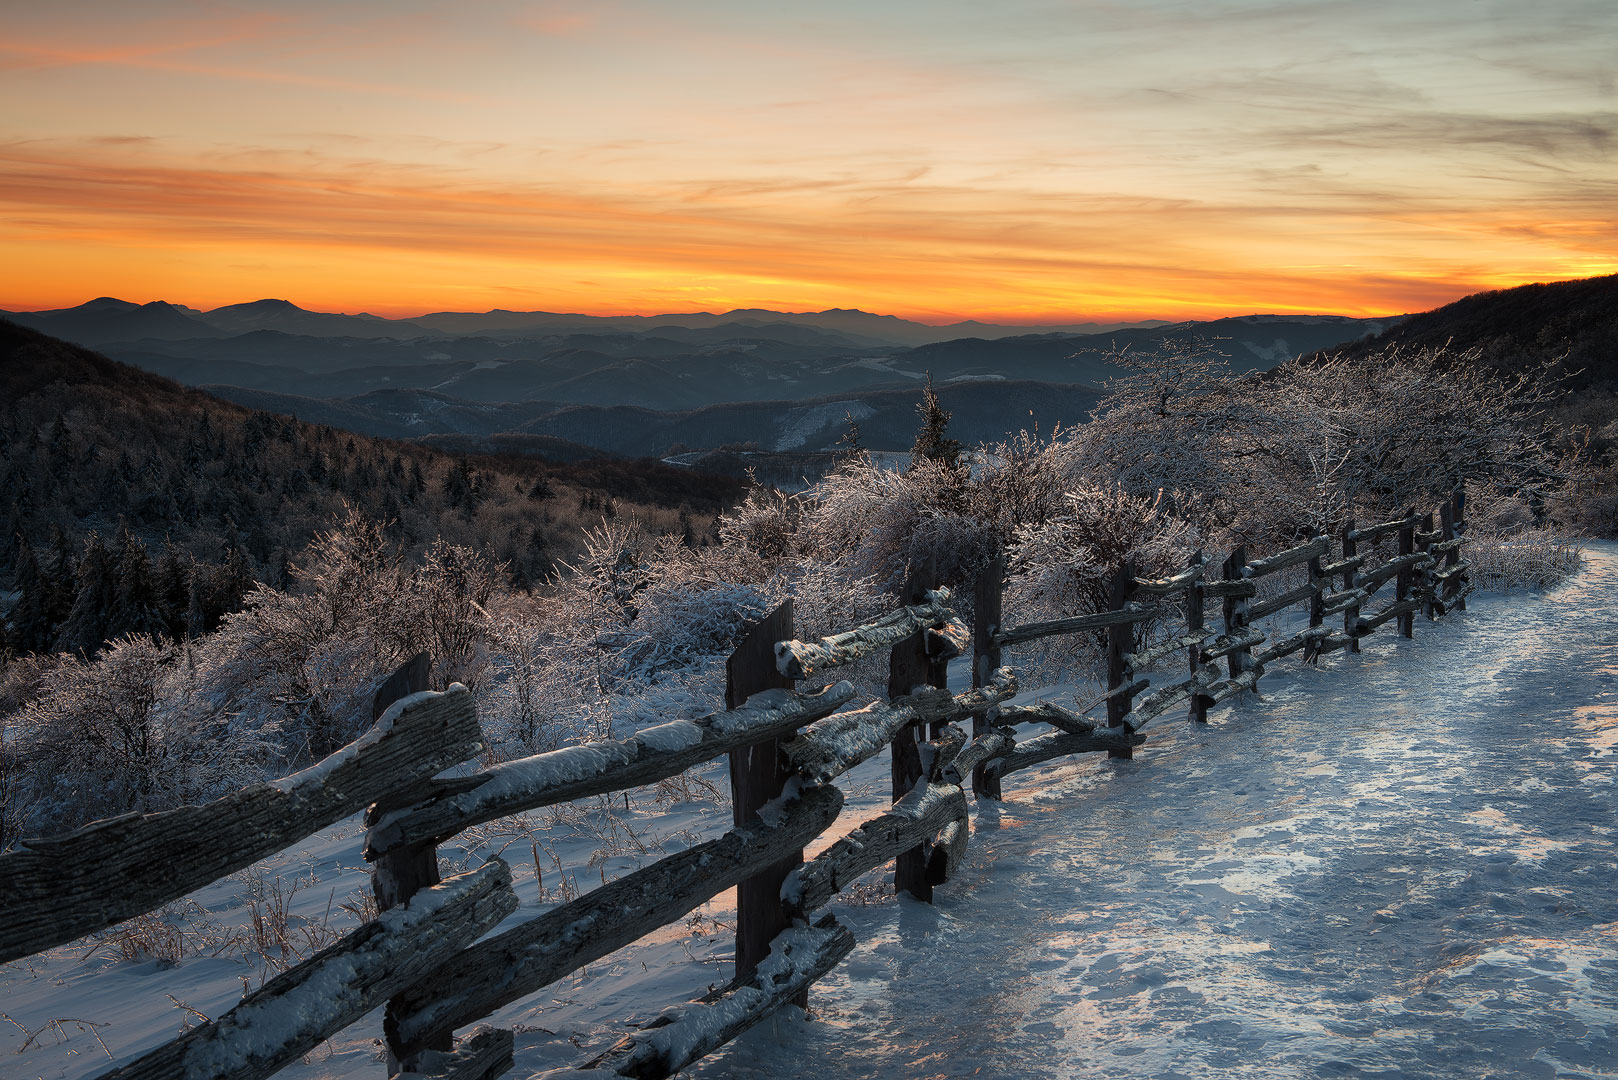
x: 1016, y: 162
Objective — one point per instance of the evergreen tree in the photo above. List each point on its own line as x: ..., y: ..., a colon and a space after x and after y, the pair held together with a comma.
x: 849, y: 440
x: 171, y: 588
x: 135, y: 609
x: 32, y: 630
x: 196, y: 613
x: 933, y: 440
x: 59, y: 569
x: 88, y: 621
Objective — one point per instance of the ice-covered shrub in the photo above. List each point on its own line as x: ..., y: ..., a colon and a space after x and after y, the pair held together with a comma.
x: 765, y: 524
x: 879, y: 523
x: 1271, y: 458
x: 1509, y: 551
x: 125, y: 732
x: 1064, y: 566
x: 443, y: 611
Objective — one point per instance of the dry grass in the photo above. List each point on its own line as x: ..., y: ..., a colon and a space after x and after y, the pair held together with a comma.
x: 1524, y: 558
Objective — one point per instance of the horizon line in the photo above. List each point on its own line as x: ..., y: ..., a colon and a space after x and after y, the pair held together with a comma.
x: 1054, y: 319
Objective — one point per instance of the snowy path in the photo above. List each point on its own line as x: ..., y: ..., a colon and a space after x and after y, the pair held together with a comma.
x: 1400, y: 864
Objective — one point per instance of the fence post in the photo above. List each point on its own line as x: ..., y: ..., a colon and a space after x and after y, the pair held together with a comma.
x: 1458, y: 515
x: 987, y: 599
x: 1407, y: 546
x: 756, y: 777
x: 1316, y: 604
x: 909, y: 666
x: 1195, y: 599
x: 1120, y: 641
x: 1351, y: 614
x: 1236, y: 607
x: 1424, y: 578
x: 405, y: 870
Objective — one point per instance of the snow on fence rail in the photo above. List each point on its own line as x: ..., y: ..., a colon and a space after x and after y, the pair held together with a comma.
x: 785, y: 747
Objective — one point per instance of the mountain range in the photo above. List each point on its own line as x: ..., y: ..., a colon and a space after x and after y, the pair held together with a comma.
x: 653, y: 385
x: 106, y: 320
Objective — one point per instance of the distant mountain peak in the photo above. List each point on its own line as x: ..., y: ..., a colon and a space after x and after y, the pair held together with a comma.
x: 267, y: 304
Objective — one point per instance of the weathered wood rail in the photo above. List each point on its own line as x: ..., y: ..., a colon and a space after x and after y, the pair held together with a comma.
x: 786, y: 748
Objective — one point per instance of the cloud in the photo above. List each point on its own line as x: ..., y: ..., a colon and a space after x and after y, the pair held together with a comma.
x: 895, y: 243
x: 1571, y: 136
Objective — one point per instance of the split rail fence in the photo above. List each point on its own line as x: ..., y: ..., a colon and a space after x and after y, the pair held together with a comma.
x: 426, y: 957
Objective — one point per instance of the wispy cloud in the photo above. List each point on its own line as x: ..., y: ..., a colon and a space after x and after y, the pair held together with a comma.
x: 945, y: 159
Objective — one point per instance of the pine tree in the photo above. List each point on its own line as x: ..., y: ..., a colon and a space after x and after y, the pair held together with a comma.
x: 88, y: 621
x: 171, y: 588
x: 59, y: 569
x: 32, y: 630
x: 196, y: 613
x: 134, y: 609
x: 849, y: 440
x: 933, y: 440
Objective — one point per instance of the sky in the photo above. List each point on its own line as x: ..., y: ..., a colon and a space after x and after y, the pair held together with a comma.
x: 1020, y: 161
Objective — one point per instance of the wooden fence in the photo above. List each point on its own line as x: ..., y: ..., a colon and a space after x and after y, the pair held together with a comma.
x: 422, y: 955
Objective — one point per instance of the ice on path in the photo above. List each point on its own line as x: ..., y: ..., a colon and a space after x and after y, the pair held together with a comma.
x: 1400, y: 864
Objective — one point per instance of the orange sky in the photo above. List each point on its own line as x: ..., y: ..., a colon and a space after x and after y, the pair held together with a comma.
x: 1025, y: 161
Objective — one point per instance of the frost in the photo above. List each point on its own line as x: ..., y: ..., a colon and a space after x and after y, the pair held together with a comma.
x: 667, y: 738
x: 568, y: 765
x: 321, y: 771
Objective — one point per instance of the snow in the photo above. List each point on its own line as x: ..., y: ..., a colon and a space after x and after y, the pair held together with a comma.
x: 667, y: 738
x: 1395, y: 864
x: 565, y: 766
x: 321, y: 770
x: 806, y: 421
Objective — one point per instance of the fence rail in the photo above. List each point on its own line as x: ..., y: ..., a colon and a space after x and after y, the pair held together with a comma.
x: 786, y: 749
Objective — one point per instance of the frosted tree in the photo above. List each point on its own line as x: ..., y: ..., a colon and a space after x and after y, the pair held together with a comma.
x: 933, y: 441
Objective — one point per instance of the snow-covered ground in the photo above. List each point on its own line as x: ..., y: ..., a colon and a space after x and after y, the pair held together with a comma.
x: 1400, y: 864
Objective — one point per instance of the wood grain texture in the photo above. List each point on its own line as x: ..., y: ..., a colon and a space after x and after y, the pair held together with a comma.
x: 910, y: 666
x: 1062, y: 744
x: 1195, y: 625
x: 58, y: 889
x: 1167, y: 586
x: 1120, y: 643
x: 1314, y: 549
x: 1018, y: 635
x: 1310, y: 592
x: 909, y: 824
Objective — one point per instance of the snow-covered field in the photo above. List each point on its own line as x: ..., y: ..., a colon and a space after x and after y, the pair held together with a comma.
x: 1397, y: 864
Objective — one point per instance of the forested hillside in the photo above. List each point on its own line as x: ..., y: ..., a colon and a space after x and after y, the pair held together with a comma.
x: 129, y: 503
x: 1561, y: 340
x: 1569, y: 326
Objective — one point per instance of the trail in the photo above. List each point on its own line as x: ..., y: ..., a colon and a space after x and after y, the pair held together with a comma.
x: 1397, y: 864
